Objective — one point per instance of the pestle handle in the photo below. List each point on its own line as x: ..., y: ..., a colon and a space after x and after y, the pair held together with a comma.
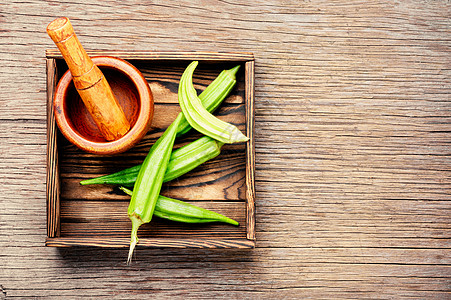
x: 89, y: 81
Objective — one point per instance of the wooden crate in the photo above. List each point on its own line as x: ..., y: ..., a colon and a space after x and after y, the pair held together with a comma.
x: 96, y: 215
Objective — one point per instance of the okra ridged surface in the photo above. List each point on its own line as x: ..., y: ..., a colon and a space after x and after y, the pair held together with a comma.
x: 199, y: 118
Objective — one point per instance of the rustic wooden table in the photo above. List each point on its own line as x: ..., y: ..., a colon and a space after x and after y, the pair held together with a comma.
x: 352, y: 144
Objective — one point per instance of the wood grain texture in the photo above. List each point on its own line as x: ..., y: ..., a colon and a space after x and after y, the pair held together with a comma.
x: 156, y: 243
x: 250, y: 150
x: 168, y: 55
x: 352, y: 136
x: 53, y: 175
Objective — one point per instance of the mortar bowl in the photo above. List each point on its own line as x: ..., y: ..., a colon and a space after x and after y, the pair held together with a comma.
x: 133, y: 94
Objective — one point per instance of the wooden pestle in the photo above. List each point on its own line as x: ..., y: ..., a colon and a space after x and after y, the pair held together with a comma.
x: 89, y: 81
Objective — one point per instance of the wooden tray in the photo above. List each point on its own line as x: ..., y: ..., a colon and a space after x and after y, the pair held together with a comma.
x: 96, y: 215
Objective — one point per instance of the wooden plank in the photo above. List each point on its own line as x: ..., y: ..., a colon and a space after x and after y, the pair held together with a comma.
x: 164, y: 77
x: 53, y: 177
x: 219, y: 179
x: 250, y: 151
x: 100, y: 219
x: 164, y: 55
x: 101, y: 211
x: 152, y: 243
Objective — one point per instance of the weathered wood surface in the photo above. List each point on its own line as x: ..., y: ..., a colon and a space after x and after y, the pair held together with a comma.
x: 352, y: 142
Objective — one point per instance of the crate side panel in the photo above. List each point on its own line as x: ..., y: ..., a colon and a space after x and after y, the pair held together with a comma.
x: 109, y: 219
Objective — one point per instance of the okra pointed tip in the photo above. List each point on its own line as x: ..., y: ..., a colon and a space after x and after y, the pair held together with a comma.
x: 231, y: 221
x: 88, y: 181
x: 126, y: 190
x: 234, y: 70
x: 237, y: 136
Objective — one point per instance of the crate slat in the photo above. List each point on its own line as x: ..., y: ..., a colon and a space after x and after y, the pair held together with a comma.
x: 53, y: 178
x: 250, y: 151
x: 154, y: 243
x: 100, y: 219
x: 165, y: 55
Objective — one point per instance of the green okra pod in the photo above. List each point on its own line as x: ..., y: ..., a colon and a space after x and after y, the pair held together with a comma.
x: 148, y: 183
x: 199, y: 118
x: 179, y: 211
x: 213, y: 95
x: 183, y: 160
x: 190, y: 156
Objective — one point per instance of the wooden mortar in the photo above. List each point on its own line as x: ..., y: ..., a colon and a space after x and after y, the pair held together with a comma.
x: 89, y: 81
x: 131, y: 90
